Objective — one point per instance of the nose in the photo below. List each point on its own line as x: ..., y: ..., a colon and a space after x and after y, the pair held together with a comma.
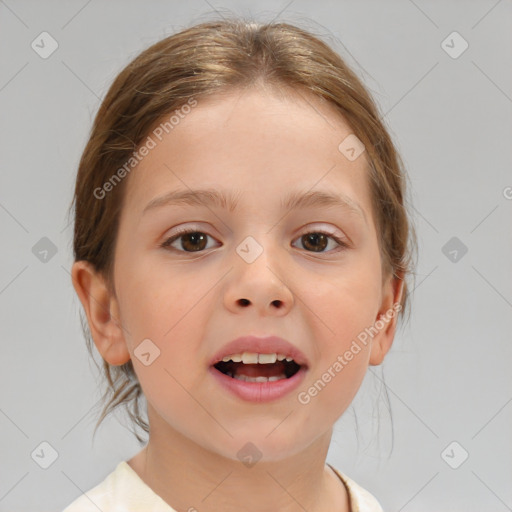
x: 260, y: 285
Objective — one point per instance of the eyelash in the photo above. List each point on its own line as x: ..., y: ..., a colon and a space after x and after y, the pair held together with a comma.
x: 185, y: 231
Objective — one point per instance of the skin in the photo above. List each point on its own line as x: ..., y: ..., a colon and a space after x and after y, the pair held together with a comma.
x: 260, y: 145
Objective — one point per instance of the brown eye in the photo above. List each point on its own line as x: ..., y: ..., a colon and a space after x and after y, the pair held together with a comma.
x: 188, y: 241
x: 193, y: 241
x: 317, y: 241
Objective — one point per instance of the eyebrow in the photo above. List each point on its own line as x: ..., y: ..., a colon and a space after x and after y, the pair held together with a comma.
x: 225, y: 200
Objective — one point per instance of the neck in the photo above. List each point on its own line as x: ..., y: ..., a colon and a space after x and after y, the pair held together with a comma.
x: 189, y: 477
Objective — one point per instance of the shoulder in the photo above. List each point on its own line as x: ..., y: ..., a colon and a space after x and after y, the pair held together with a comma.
x: 121, y: 491
x: 103, y: 495
x: 360, y: 499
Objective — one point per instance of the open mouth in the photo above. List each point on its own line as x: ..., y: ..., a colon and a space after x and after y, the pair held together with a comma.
x: 258, y: 367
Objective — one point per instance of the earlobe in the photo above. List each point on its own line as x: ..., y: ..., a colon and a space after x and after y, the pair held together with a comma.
x: 102, y: 313
x: 386, y: 320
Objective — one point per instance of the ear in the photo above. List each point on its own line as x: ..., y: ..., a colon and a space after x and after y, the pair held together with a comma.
x: 385, y: 323
x: 102, y: 312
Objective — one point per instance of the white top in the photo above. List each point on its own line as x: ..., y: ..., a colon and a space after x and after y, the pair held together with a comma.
x: 124, y: 491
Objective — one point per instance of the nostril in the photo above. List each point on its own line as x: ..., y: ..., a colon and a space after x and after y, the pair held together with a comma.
x: 244, y: 302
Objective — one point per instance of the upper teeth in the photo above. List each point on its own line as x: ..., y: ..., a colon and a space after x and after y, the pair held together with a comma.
x: 254, y: 358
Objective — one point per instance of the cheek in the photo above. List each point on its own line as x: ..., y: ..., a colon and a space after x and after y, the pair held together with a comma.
x: 153, y: 300
x: 345, y: 302
x: 342, y: 307
x: 168, y: 311
x: 341, y: 364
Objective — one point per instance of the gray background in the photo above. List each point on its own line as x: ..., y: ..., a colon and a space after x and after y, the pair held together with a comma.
x: 448, y: 375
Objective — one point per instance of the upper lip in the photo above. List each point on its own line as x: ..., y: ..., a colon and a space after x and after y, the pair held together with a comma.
x: 260, y: 345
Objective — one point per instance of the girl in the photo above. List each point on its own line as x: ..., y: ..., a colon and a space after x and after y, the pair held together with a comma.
x: 241, y: 248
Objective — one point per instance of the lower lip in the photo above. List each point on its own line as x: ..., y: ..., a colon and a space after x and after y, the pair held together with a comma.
x: 259, y: 391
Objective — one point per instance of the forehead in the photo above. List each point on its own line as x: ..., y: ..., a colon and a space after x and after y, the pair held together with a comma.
x: 252, y: 141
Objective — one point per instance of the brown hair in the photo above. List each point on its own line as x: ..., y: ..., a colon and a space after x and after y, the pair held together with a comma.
x: 215, y: 57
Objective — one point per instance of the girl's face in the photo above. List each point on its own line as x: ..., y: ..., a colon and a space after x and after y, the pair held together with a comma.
x: 249, y: 270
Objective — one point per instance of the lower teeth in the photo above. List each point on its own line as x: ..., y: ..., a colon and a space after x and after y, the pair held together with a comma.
x: 257, y: 379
